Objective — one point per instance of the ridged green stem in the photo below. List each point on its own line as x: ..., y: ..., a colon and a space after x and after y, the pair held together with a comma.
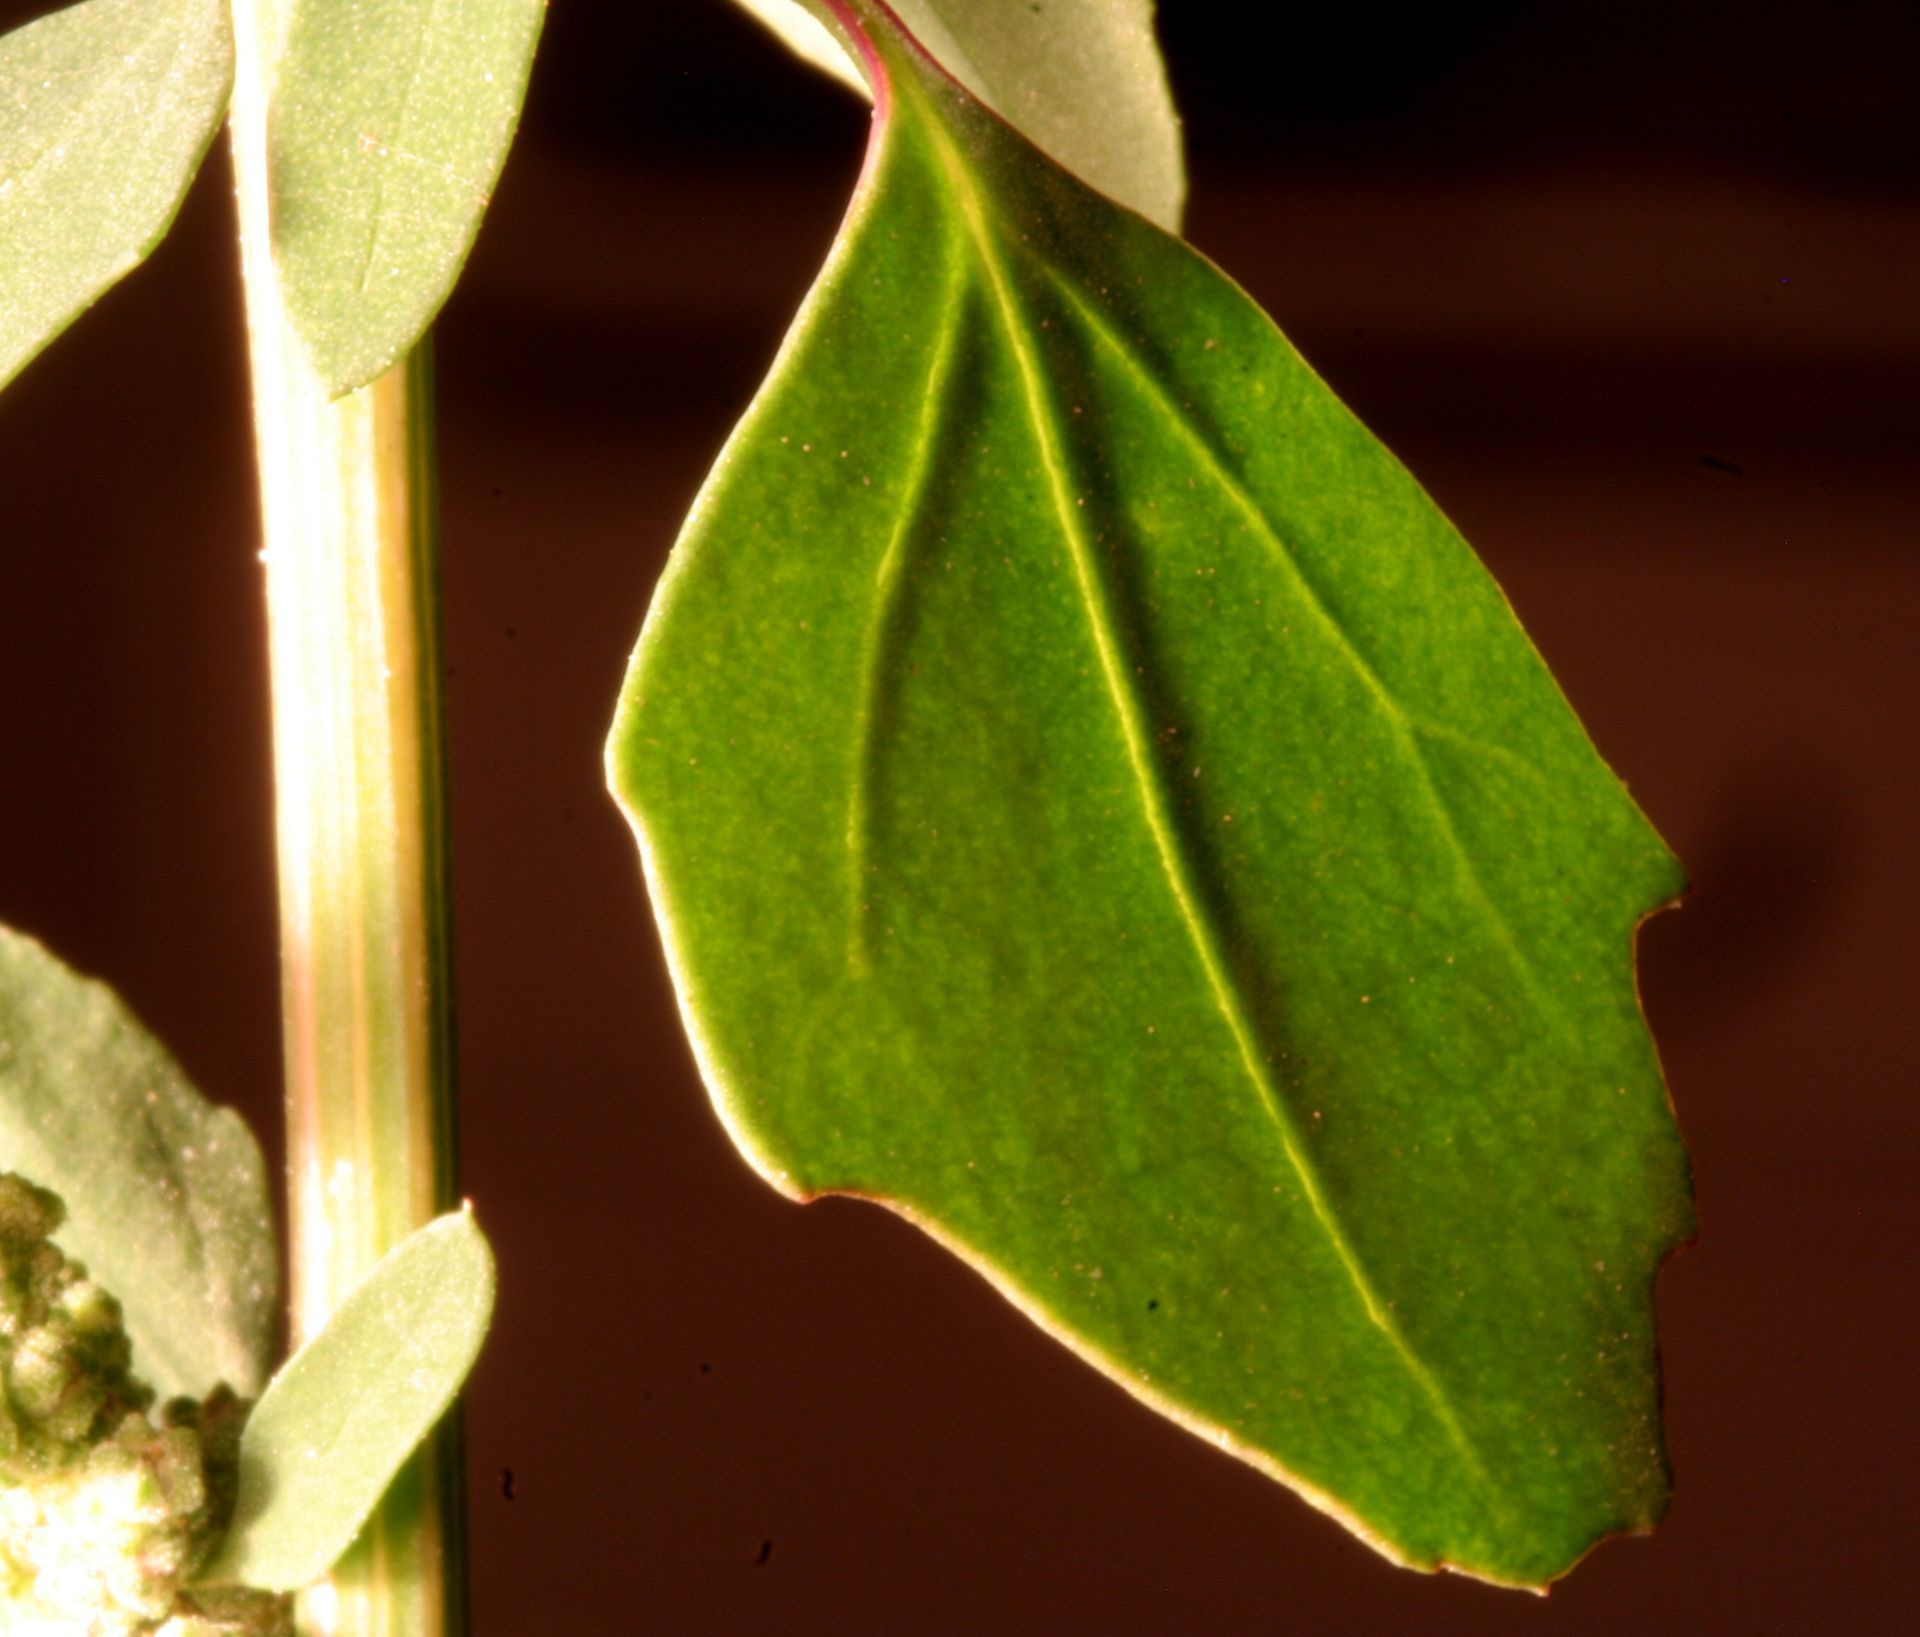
x: 347, y: 504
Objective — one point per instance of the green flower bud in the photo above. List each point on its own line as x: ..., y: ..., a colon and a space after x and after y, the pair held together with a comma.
x: 28, y: 1215
x: 230, y: 1611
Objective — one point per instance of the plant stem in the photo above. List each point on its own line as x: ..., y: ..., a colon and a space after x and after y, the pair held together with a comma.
x: 347, y: 505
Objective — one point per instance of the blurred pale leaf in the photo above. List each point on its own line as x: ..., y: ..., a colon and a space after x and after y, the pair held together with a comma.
x: 105, y: 111
x: 339, y: 1419
x: 389, y: 125
x: 1081, y: 79
x: 166, y: 1194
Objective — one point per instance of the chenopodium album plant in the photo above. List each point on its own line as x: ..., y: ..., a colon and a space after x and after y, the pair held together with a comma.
x: 117, y: 1517
x: 1093, y: 803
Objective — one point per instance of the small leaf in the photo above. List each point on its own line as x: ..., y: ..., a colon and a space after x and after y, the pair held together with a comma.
x: 389, y: 124
x: 339, y: 1419
x: 1083, y: 82
x: 105, y: 111
x: 166, y: 1194
x: 1097, y: 805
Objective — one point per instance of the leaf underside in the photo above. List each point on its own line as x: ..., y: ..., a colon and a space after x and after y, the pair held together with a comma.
x: 390, y: 122
x: 166, y: 1194
x: 343, y: 1413
x: 1097, y: 805
x: 106, y: 109
x: 1084, y: 83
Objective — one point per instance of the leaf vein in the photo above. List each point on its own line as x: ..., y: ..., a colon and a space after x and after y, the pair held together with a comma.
x: 1154, y: 801
x: 889, y: 583
x: 1407, y: 727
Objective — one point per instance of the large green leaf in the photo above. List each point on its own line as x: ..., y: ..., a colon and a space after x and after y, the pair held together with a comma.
x: 105, y: 111
x: 389, y: 125
x: 337, y: 1421
x: 1097, y: 805
x: 1083, y: 81
x: 166, y: 1194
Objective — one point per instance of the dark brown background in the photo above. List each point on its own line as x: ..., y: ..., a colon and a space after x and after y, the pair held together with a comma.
x: 1630, y: 286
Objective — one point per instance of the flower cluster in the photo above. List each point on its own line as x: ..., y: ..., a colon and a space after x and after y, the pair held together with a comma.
x: 107, y: 1507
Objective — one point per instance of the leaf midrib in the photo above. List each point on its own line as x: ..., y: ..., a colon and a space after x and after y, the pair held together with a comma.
x: 1405, y: 725
x: 376, y: 227
x: 888, y: 589
x: 1127, y: 708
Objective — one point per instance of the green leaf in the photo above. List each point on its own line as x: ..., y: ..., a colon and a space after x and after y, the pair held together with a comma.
x: 105, y: 111
x: 1097, y: 805
x: 339, y: 1419
x: 389, y: 124
x: 166, y: 1194
x: 1084, y: 82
